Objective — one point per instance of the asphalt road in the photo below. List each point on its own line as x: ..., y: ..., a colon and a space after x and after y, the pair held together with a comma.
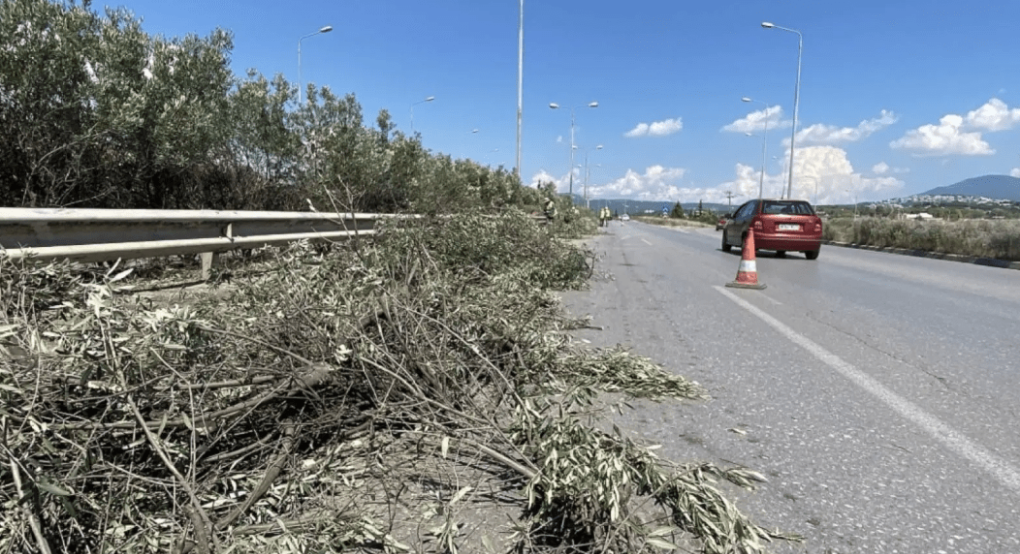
x: 879, y: 393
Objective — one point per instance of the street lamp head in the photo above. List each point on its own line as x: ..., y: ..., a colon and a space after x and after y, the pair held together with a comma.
x: 746, y: 99
x: 430, y: 98
x: 473, y: 131
x: 599, y: 147
x: 767, y: 25
x: 593, y: 104
x: 554, y: 105
x: 326, y: 29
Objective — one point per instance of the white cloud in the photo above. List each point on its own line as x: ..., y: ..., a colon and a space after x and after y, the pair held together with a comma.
x: 656, y: 183
x: 747, y: 182
x: 656, y: 128
x: 562, y: 182
x: 994, y: 115
x: 755, y: 121
x: 961, y: 135
x: 882, y: 168
x: 1015, y: 172
x: 946, y: 138
x: 639, y: 131
x: 826, y: 173
x: 828, y: 134
x: 822, y: 174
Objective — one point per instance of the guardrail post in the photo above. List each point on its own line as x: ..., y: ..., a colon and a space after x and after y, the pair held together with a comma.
x: 207, y: 262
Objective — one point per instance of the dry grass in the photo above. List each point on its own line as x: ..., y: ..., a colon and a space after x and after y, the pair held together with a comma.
x: 415, y: 393
x: 999, y: 239
x: 672, y: 222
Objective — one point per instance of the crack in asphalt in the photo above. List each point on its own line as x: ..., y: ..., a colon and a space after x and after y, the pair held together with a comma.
x: 942, y: 380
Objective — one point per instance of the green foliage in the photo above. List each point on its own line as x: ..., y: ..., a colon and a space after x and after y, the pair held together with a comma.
x: 591, y: 485
x: 97, y: 113
x: 706, y: 216
x: 480, y: 246
x: 677, y: 212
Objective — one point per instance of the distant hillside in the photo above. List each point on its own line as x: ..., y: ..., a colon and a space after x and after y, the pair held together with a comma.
x: 1001, y: 187
x: 640, y: 206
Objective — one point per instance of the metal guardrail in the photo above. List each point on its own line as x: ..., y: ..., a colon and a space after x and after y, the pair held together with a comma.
x: 91, y: 235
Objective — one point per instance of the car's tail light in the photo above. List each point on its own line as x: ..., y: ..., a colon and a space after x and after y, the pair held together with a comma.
x: 818, y: 227
x: 758, y: 226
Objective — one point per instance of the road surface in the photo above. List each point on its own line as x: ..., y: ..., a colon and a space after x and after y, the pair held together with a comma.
x: 879, y: 393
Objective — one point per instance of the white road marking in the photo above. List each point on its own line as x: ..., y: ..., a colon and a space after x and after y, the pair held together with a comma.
x: 773, y: 300
x: 949, y: 437
x: 646, y: 242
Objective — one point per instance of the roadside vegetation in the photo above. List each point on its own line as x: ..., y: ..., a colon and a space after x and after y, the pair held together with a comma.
x: 97, y: 113
x: 418, y: 392
x: 678, y: 217
x: 672, y: 221
x: 998, y: 239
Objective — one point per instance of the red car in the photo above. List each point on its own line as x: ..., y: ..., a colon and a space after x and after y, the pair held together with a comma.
x: 780, y: 225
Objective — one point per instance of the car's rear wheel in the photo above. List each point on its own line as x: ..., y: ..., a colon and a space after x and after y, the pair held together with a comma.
x: 725, y: 245
x: 811, y: 254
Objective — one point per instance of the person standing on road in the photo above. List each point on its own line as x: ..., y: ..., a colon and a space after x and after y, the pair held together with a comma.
x: 550, y: 210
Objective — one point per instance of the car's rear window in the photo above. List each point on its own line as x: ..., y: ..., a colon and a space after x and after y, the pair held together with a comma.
x: 794, y: 207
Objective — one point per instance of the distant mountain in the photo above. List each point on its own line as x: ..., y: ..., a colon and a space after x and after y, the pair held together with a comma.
x: 1002, y: 187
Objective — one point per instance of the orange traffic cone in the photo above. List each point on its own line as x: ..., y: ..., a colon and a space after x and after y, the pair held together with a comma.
x: 747, y: 273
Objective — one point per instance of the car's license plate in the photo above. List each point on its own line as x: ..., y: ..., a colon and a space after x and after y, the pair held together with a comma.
x: 789, y: 227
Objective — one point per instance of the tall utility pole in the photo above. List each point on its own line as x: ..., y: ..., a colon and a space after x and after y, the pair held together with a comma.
x: 796, y: 98
x: 587, y: 203
x: 555, y: 106
x: 729, y: 198
x: 520, y: 86
x: 764, y: 143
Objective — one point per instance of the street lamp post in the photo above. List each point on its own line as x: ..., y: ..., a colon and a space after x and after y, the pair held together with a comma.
x: 325, y: 29
x: 587, y: 202
x: 765, y: 134
x: 796, y: 98
x: 520, y: 85
x: 815, y: 180
x: 555, y: 106
x: 429, y: 99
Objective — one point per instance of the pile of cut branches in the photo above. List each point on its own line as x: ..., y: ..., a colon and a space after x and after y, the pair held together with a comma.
x: 417, y: 392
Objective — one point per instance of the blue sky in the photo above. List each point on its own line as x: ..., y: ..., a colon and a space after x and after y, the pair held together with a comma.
x: 896, y: 97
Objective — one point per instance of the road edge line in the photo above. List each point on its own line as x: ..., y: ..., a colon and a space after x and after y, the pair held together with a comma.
x: 933, y: 426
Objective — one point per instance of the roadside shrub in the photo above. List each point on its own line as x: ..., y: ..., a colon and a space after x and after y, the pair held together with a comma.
x: 485, y: 246
x: 999, y: 239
